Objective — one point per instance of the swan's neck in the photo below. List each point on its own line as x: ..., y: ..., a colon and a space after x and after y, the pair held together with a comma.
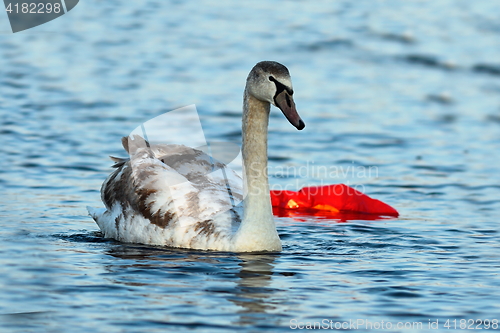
x: 257, y: 231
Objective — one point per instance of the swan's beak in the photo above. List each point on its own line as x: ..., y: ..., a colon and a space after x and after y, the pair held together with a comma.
x: 285, y: 102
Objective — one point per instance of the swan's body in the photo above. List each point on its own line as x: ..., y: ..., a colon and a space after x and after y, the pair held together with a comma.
x: 169, y: 194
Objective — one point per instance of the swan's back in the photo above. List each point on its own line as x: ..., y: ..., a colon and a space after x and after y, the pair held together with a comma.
x: 170, y: 195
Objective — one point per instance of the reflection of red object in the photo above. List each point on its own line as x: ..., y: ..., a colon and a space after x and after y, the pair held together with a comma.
x: 331, y: 199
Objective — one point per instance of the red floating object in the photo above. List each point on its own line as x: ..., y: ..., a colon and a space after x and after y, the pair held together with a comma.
x: 338, y: 198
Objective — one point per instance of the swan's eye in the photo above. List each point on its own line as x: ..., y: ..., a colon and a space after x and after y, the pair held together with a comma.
x: 279, y: 86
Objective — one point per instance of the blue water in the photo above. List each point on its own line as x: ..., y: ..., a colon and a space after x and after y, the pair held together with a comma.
x: 407, y: 89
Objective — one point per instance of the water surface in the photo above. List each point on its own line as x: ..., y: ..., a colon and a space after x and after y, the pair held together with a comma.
x: 409, y: 90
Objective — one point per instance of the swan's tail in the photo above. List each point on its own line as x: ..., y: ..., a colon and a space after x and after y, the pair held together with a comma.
x: 104, y: 220
x: 92, y: 212
x: 96, y: 213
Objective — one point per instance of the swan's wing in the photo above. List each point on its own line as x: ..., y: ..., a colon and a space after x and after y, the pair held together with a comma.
x: 118, y: 161
x: 165, y: 195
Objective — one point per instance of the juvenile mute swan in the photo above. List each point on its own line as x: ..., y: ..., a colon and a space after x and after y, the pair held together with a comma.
x: 163, y: 194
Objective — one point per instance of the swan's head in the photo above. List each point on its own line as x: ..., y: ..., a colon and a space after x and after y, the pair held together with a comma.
x: 270, y: 81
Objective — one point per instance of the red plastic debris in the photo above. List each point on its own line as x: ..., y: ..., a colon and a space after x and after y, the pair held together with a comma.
x: 338, y: 198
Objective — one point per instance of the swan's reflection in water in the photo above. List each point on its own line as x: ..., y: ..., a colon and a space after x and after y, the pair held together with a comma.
x: 254, y: 287
x: 241, y: 283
